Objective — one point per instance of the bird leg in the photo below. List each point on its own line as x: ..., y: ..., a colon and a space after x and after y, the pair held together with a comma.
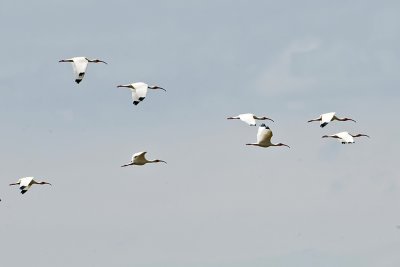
x: 129, y: 164
x: 318, y: 119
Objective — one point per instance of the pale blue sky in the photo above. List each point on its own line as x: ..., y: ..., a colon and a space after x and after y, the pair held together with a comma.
x: 217, y: 203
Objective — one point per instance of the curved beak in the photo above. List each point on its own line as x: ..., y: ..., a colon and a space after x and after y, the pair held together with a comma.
x: 103, y: 62
x: 270, y: 119
x: 162, y: 89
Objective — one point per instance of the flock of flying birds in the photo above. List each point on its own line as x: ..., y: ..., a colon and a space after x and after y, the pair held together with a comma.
x: 139, y: 92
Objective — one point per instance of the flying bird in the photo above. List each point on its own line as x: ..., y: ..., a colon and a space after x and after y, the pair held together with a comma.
x: 140, y: 159
x: 325, y: 118
x: 79, y: 64
x: 139, y: 90
x: 345, y: 137
x: 264, y: 136
x: 249, y: 118
x: 26, y: 183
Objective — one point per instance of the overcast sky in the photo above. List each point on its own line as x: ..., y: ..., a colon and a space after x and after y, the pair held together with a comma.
x: 217, y: 203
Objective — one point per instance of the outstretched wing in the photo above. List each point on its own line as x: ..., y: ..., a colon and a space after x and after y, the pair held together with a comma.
x: 264, y: 136
x: 139, y: 155
x: 79, y: 65
x: 139, y: 93
x: 346, y: 137
x: 326, y: 118
x: 25, y: 182
x: 248, y: 118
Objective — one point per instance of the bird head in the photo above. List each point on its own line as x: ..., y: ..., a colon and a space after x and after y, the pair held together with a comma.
x: 266, y: 118
x: 280, y: 144
x: 156, y: 87
x: 96, y: 61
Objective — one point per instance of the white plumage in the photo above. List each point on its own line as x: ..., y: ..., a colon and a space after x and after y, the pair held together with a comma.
x: 264, y: 135
x: 139, y: 90
x: 79, y: 65
x: 325, y: 118
x: 248, y: 118
x: 26, y: 182
x: 140, y: 159
x: 345, y: 137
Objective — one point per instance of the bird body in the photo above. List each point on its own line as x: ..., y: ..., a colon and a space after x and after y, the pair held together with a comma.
x: 345, y: 137
x: 249, y: 118
x: 325, y: 118
x: 79, y: 65
x: 139, y: 90
x: 264, y: 136
x: 140, y: 159
x: 26, y: 183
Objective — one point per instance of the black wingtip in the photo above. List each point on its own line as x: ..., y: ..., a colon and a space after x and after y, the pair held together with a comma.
x: 78, y: 81
x: 324, y: 124
x: 23, y: 191
x: 141, y: 98
x: 136, y: 102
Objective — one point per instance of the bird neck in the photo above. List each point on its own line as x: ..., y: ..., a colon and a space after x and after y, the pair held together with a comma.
x: 253, y: 144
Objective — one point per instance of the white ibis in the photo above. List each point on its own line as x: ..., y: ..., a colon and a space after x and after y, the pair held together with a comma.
x: 140, y: 159
x: 79, y: 64
x: 249, y: 118
x: 26, y: 183
x: 345, y: 137
x: 139, y: 90
x: 264, y: 136
x: 325, y: 118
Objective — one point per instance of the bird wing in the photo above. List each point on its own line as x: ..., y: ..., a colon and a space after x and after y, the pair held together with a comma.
x: 25, y: 182
x: 248, y: 118
x: 346, y: 137
x: 264, y: 136
x: 135, y: 96
x: 139, y: 92
x: 79, y: 65
x: 327, y: 117
x: 139, y: 155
